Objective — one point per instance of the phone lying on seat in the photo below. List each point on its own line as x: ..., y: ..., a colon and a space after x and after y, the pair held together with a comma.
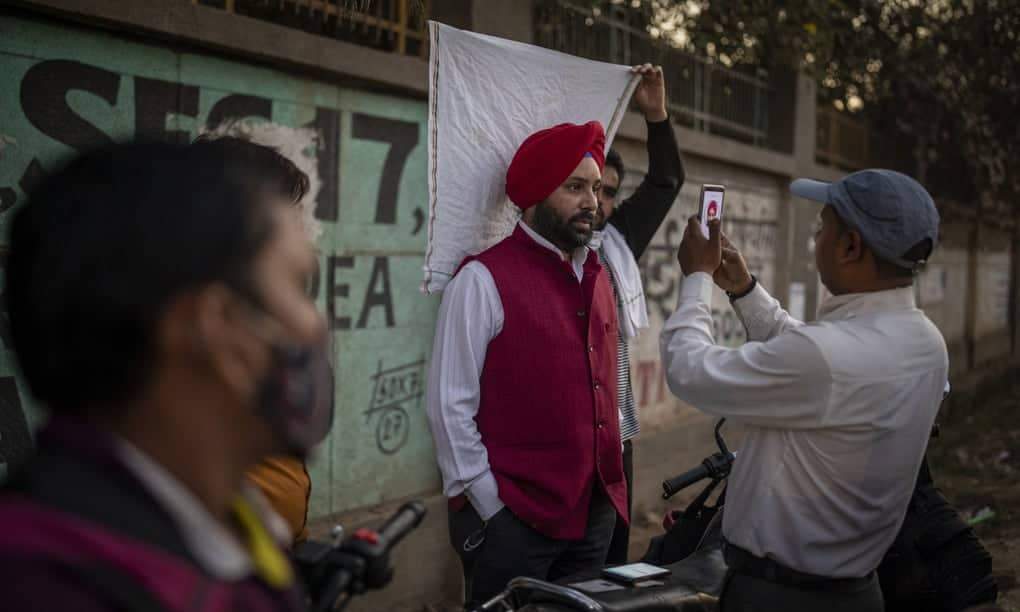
x: 635, y: 572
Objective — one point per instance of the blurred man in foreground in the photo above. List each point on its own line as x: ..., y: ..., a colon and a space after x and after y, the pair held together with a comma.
x: 837, y: 412
x: 158, y: 310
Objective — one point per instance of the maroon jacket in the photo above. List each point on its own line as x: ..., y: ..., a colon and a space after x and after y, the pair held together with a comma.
x: 547, y: 412
x: 79, y: 532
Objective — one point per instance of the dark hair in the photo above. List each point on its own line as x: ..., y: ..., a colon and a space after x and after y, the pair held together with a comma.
x: 886, y: 269
x: 614, y: 160
x: 284, y: 177
x: 106, y: 243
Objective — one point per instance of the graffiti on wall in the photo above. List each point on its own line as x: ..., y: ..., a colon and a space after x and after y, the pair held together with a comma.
x: 395, y: 389
x: 67, y: 90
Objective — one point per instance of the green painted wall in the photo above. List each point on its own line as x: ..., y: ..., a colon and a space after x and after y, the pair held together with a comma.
x: 64, y: 88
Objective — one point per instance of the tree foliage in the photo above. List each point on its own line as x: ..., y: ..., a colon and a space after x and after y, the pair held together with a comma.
x: 943, y: 75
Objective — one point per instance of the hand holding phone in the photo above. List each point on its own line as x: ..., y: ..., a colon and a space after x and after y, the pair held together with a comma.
x: 712, y: 197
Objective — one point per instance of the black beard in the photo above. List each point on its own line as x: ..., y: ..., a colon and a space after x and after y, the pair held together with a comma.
x: 563, y: 234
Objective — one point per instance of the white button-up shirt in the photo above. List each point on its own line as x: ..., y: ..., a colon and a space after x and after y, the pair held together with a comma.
x: 470, y: 316
x: 837, y: 412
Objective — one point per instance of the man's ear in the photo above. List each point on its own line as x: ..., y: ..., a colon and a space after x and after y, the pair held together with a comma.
x: 850, y: 247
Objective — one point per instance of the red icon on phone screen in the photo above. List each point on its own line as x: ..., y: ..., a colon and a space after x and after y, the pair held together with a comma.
x: 713, y: 209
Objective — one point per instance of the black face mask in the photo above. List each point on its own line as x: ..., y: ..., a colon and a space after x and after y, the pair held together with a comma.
x: 296, y: 395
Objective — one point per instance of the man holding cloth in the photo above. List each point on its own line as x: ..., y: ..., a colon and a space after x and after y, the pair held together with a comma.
x: 522, y: 385
x: 624, y: 231
x: 837, y: 412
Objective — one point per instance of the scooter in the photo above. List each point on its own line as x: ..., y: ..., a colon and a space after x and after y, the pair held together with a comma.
x: 936, y: 562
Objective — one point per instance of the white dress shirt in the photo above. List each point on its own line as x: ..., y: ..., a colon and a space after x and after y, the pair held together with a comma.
x: 470, y: 316
x: 837, y: 413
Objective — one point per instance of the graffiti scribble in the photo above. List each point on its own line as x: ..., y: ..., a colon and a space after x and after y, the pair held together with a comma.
x: 393, y: 389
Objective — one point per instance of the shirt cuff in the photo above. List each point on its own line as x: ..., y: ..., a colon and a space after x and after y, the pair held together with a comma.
x: 697, y: 286
x: 484, y: 496
x: 753, y: 302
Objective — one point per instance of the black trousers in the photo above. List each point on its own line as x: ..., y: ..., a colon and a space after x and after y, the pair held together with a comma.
x: 494, y: 552
x: 744, y: 593
x: 621, y: 534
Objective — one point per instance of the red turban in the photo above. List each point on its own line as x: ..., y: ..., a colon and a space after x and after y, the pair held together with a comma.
x: 546, y: 158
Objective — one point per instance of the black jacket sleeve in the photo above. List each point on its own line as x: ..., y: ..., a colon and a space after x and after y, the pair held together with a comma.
x: 639, y: 216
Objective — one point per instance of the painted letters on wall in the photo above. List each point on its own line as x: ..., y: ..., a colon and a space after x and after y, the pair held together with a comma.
x: 67, y: 90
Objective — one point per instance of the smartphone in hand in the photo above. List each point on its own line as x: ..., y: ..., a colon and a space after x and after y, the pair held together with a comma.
x: 712, y: 197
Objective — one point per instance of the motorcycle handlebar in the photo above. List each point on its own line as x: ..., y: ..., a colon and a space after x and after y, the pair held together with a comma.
x: 361, y: 562
x: 402, y: 523
x: 672, y: 486
x: 716, y: 467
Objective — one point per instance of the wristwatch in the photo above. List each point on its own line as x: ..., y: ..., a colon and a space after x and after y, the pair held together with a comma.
x: 736, y: 296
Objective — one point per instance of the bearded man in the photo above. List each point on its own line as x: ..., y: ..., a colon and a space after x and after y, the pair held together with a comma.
x: 522, y: 386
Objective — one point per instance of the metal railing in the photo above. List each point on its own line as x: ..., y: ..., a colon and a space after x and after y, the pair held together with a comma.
x: 841, y: 141
x: 396, y: 26
x: 849, y: 143
x: 702, y: 94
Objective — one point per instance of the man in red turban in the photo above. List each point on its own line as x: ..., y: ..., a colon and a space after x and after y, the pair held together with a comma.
x: 522, y: 387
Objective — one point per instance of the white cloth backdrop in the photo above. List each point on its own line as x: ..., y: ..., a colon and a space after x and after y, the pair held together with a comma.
x: 486, y: 95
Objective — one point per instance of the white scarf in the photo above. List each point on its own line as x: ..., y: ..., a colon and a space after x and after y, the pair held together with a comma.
x: 617, y: 255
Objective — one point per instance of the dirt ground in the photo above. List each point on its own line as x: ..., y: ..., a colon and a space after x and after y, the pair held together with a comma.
x: 975, y: 462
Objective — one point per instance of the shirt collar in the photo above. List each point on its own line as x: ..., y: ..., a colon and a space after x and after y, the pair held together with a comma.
x: 578, y: 257
x: 214, y: 547
x: 841, y: 307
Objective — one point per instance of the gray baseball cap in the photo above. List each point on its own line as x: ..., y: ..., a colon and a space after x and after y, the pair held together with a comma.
x: 892, y: 211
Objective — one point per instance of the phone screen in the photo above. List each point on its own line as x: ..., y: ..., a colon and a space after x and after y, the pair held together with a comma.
x: 711, y: 205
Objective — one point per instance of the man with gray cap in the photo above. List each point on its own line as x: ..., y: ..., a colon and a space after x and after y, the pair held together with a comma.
x: 837, y: 411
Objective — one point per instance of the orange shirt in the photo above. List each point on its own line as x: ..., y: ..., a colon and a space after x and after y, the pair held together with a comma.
x: 286, y: 484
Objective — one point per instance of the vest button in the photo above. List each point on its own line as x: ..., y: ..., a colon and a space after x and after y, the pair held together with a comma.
x: 591, y: 348
x: 580, y: 313
x: 597, y: 386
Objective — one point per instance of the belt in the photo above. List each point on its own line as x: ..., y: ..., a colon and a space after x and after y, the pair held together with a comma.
x: 742, y: 562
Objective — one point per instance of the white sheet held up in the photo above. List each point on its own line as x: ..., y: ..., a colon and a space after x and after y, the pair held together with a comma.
x: 486, y: 95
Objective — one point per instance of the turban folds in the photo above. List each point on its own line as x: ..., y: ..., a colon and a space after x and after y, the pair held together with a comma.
x: 546, y: 158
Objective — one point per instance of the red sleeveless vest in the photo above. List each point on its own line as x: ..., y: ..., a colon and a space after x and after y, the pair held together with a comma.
x: 547, y: 412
